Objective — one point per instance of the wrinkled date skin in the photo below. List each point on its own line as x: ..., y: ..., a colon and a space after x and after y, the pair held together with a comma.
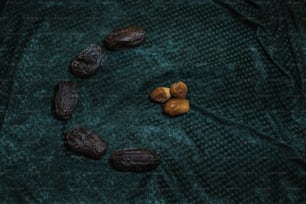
x: 86, y: 64
x: 66, y: 99
x: 124, y: 38
x: 86, y: 142
x: 134, y: 160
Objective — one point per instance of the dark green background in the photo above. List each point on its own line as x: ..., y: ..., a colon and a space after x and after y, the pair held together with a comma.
x: 242, y: 141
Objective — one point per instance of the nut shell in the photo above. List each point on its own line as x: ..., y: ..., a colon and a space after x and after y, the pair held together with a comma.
x: 86, y: 142
x: 178, y: 89
x: 134, y: 160
x: 124, y: 38
x: 160, y: 95
x: 87, y: 62
x: 66, y: 99
x: 176, y: 106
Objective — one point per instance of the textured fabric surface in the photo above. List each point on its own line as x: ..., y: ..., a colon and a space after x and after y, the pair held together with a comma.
x: 243, y: 140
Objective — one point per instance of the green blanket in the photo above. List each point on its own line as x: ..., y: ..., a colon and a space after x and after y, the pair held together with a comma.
x: 243, y: 140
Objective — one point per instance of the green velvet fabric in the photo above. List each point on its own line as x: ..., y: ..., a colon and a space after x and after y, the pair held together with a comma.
x: 243, y: 140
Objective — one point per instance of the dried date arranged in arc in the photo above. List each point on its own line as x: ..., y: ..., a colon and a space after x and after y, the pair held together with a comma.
x: 134, y: 159
x: 86, y: 63
x: 124, y: 38
x: 66, y: 99
x: 86, y: 142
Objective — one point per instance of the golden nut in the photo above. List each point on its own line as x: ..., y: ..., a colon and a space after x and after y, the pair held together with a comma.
x: 178, y: 89
x: 176, y: 106
x: 160, y: 94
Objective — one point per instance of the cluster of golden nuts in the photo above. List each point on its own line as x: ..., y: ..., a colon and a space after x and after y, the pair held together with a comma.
x: 173, y: 97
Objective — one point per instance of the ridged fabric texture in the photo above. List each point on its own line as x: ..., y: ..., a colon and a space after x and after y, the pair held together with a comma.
x: 243, y: 140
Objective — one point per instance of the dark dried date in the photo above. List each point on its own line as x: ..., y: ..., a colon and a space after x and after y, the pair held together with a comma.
x: 86, y: 142
x: 86, y: 64
x: 135, y: 160
x: 66, y: 99
x: 124, y: 38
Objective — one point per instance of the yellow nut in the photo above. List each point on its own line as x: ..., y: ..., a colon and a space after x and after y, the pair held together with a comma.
x: 178, y: 89
x: 160, y: 94
x: 176, y: 106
